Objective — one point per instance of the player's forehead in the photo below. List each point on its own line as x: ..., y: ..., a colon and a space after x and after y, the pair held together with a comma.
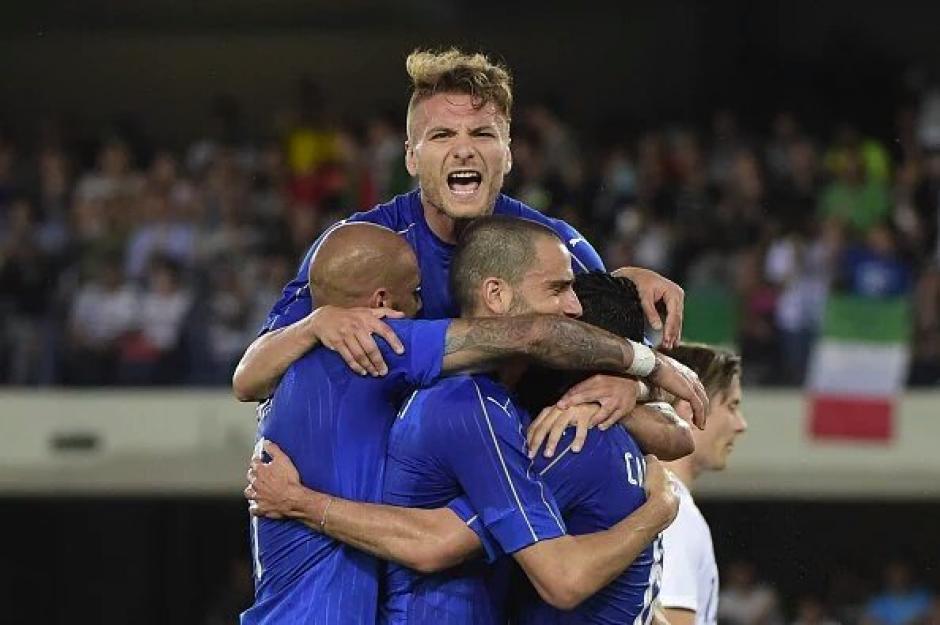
x: 454, y: 110
x: 732, y: 392
x: 552, y: 262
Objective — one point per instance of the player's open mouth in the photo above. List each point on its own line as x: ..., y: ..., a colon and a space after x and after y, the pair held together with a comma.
x: 464, y: 181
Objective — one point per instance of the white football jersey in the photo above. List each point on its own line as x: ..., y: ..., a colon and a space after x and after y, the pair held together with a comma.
x: 690, y: 574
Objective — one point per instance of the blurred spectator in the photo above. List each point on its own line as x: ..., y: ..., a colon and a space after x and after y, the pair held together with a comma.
x: 229, y: 310
x: 750, y: 222
x: 874, y: 268
x: 811, y: 611
x: 162, y: 232
x: 900, y: 602
x: 859, y: 200
x: 933, y: 614
x: 152, y: 353
x: 849, y: 145
x: 746, y: 601
x: 802, y: 270
x: 102, y: 312
x: 27, y: 278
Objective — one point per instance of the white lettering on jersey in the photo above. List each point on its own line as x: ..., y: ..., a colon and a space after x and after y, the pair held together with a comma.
x: 636, y: 469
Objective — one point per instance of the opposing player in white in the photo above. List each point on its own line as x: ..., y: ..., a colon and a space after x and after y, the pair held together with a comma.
x: 689, y: 590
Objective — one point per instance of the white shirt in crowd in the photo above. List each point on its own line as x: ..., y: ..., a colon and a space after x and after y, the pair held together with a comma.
x: 102, y: 315
x: 690, y: 574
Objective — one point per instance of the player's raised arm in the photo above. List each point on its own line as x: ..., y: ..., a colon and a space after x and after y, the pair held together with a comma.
x: 654, y: 288
x: 347, y: 331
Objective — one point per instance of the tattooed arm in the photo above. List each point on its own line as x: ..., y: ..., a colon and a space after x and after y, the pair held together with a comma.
x: 559, y: 343
x: 550, y: 340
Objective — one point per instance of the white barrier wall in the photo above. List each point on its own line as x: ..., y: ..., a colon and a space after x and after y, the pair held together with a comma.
x: 192, y: 442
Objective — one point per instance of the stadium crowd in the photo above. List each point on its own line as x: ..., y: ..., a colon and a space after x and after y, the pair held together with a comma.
x: 124, y: 261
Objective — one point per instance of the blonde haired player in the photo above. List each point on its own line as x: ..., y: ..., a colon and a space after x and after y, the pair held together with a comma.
x: 458, y: 149
x: 689, y: 590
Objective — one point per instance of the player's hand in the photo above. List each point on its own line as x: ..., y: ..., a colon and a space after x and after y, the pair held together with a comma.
x: 615, y: 394
x: 683, y: 384
x: 270, y: 484
x: 348, y: 331
x: 552, y: 422
x: 654, y: 288
x: 660, y: 488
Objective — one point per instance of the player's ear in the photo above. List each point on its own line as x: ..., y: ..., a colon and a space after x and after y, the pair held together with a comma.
x: 496, y: 295
x: 508, y: 166
x: 411, y: 163
x: 380, y: 299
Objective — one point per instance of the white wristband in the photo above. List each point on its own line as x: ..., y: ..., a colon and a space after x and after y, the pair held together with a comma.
x: 644, y: 359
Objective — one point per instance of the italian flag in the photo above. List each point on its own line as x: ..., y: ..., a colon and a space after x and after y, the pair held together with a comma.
x: 859, y: 367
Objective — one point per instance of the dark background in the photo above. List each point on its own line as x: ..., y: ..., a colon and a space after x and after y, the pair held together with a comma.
x: 175, y: 561
x: 643, y: 61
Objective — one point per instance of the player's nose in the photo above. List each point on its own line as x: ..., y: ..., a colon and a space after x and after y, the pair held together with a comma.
x: 463, y: 148
x: 572, y: 306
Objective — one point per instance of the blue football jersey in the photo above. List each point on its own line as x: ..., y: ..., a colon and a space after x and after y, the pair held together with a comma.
x: 595, y: 489
x: 463, y: 437
x: 405, y: 215
x: 334, y: 425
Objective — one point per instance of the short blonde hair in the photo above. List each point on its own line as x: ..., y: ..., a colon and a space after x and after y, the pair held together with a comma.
x: 454, y: 71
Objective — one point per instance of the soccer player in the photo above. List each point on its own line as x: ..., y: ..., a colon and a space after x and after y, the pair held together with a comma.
x: 447, y: 443
x: 689, y: 592
x: 458, y: 149
x: 603, y: 483
x: 336, y: 422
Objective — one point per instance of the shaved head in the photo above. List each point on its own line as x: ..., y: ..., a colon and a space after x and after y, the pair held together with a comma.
x: 362, y: 264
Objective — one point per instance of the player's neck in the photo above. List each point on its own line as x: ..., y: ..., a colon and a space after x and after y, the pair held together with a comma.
x: 444, y: 228
x: 684, y: 469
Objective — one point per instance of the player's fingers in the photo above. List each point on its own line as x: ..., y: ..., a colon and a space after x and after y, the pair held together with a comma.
x: 608, y: 421
x: 272, y: 448
x: 580, y: 434
x: 371, y: 357
x: 349, y: 358
x: 539, y: 429
x: 388, y: 313
x: 358, y: 348
x: 703, y: 397
x: 382, y: 329
x: 575, y: 395
x: 554, y: 435
x: 648, y: 302
x: 675, y: 308
x: 605, y: 413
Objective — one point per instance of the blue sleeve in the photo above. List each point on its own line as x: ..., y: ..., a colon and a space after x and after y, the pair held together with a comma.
x: 482, y: 446
x: 584, y: 257
x: 295, y: 302
x: 465, y: 512
x: 423, y: 341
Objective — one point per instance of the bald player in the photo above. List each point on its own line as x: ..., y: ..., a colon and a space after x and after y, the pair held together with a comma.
x: 335, y: 423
